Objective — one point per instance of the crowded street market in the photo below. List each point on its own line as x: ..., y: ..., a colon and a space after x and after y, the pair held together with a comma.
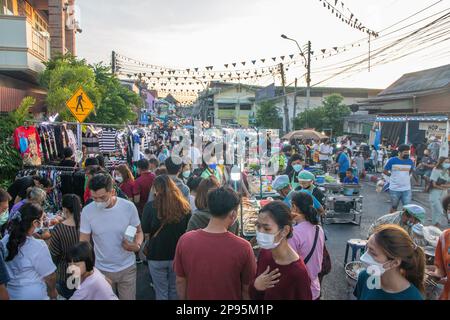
x: 189, y: 151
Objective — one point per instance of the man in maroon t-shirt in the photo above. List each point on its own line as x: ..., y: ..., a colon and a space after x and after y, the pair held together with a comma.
x: 142, y: 185
x: 212, y: 263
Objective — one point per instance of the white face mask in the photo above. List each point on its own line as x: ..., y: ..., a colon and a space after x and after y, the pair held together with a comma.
x: 102, y: 205
x: 369, y: 261
x: 119, y: 179
x: 267, y: 240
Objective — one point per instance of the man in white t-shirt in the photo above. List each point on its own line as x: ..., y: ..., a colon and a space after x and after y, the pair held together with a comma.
x: 399, y: 169
x: 106, y: 220
x: 325, y: 151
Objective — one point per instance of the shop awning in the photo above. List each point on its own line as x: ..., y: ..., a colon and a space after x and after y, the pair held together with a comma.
x: 428, y: 118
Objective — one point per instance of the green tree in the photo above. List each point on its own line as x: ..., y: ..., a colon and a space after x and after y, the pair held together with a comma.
x: 329, y: 115
x: 10, y: 160
x: 312, y: 118
x: 268, y: 116
x: 117, y: 103
x: 62, y: 77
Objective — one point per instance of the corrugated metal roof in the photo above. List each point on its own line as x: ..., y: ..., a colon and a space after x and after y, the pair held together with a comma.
x: 430, y: 79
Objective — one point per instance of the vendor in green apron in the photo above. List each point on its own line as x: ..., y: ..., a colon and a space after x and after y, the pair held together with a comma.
x: 295, y: 165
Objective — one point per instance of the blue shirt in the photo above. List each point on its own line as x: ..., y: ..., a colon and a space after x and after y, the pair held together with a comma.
x: 354, y: 180
x: 362, y: 291
x: 344, y: 162
x: 4, y: 276
x: 316, y: 203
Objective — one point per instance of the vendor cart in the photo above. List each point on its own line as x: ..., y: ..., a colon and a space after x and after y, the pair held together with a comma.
x: 344, y: 203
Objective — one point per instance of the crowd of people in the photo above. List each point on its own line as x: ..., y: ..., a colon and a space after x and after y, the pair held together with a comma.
x: 181, y: 220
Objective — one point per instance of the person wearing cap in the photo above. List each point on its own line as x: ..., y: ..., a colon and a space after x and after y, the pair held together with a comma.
x: 411, y: 215
x: 306, y: 180
x: 282, y: 185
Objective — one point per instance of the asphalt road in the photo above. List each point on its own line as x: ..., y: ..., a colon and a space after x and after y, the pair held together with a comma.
x: 334, y: 286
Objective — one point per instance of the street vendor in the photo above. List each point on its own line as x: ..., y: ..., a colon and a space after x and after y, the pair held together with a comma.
x: 411, y: 215
x: 295, y: 165
x: 306, y: 180
x: 350, y: 178
x: 282, y: 185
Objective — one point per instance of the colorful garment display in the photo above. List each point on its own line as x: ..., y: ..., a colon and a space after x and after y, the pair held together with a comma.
x: 27, y: 141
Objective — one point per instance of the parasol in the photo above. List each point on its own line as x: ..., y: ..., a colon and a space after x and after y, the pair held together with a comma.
x: 304, y: 134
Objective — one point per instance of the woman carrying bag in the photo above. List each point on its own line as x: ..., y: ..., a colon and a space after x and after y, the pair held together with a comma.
x: 164, y: 221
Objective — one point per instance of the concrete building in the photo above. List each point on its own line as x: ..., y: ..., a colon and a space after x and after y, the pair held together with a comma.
x: 414, y: 107
x: 35, y: 30
x: 231, y: 103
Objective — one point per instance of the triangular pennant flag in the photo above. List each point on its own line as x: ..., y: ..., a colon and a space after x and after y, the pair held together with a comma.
x: 243, y: 63
x: 196, y: 69
x: 176, y: 78
x: 323, y: 50
x: 291, y: 56
x: 234, y: 64
x: 263, y: 60
x: 226, y: 65
x: 162, y: 72
x: 253, y: 61
x: 185, y: 78
x: 188, y: 70
x: 274, y: 58
x: 152, y: 73
x: 335, y: 48
x: 282, y: 58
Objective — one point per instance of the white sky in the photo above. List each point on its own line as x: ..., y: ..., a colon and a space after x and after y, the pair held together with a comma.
x: 199, y: 33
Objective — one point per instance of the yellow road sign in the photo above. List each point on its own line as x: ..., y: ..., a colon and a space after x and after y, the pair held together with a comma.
x: 80, y: 105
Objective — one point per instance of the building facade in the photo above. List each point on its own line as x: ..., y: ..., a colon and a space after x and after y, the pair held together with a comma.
x: 36, y: 30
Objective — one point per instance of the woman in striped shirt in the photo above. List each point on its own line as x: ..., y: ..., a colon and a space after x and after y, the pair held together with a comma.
x: 64, y: 236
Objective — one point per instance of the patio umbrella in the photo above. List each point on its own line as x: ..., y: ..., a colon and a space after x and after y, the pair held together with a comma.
x: 304, y: 134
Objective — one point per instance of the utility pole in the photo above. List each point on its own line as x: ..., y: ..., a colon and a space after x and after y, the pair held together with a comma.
x: 308, y: 77
x: 295, y: 103
x: 113, y: 62
x: 286, y: 110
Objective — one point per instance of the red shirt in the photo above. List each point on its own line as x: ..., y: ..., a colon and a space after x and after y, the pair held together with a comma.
x: 216, y: 265
x: 142, y: 186
x: 294, y: 280
x: 128, y: 188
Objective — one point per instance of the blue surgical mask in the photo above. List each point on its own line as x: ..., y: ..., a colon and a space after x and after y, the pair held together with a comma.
x: 297, y: 167
x: 446, y: 165
x: 4, y: 217
x: 186, y: 174
x: 213, y: 166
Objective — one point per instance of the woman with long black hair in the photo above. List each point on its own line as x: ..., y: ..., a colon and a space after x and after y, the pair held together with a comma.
x: 64, y: 237
x: 28, y: 260
x: 308, y: 238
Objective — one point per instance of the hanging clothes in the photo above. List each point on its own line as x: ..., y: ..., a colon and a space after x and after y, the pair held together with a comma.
x: 27, y: 141
x: 107, y: 140
x: 90, y: 140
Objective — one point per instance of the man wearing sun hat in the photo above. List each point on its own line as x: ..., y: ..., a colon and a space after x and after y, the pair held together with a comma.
x: 411, y: 215
x: 306, y: 180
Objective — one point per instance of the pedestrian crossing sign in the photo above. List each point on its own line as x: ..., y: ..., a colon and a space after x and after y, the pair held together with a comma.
x: 80, y: 105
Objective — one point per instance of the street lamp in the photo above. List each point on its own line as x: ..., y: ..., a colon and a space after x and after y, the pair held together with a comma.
x: 235, y: 176
x: 308, y: 67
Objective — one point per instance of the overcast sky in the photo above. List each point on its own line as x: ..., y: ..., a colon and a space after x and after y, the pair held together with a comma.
x: 196, y: 33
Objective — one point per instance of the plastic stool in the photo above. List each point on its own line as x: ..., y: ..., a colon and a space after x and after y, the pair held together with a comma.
x: 356, y: 245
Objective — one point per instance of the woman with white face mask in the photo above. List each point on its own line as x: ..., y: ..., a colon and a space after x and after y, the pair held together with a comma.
x: 395, y: 267
x: 28, y: 260
x: 281, y: 272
